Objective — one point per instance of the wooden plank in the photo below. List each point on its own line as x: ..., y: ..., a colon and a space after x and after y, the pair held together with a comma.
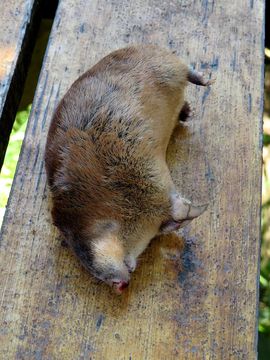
x: 194, y: 295
x: 19, y: 21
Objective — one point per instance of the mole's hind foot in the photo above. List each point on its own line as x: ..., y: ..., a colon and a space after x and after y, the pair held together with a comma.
x: 185, y: 112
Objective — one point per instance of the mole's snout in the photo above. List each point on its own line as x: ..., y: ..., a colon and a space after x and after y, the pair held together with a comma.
x: 120, y: 286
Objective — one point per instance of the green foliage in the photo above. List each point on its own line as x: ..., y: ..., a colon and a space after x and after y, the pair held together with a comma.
x: 264, y: 310
x: 264, y: 305
x: 11, y: 158
x: 266, y: 139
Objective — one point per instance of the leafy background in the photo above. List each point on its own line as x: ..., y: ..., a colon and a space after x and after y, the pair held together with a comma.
x: 264, y: 305
x: 11, y: 158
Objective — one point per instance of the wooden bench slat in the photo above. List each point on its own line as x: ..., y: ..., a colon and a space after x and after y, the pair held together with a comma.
x: 194, y: 295
x: 18, y: 23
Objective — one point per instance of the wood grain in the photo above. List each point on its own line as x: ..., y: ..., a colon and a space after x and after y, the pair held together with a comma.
x: 195, y: 294
x: 19, y: 22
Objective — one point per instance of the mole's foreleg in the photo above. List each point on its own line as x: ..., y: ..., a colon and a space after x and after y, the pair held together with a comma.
x: 130, y: 262
x: 182, y: 213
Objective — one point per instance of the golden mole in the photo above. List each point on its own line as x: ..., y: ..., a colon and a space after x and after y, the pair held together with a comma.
x: 105, y: 159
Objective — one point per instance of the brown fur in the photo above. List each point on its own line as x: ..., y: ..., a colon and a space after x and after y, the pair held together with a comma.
x: 106, y: 157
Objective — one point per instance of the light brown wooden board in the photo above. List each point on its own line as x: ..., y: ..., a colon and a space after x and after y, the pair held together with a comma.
x: 194, y: 295
x: 18, y: 23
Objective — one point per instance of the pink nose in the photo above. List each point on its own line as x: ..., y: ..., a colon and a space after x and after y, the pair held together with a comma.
x: 120, y: 286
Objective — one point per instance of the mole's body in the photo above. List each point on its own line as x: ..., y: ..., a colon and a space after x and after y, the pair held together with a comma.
x: 106, y: 159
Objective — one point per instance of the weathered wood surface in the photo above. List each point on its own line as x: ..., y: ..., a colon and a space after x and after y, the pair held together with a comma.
x: 18, y: 23
x: 194, y: 296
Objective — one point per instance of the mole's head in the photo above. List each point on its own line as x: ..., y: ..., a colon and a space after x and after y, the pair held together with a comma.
x: 103, y: 255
